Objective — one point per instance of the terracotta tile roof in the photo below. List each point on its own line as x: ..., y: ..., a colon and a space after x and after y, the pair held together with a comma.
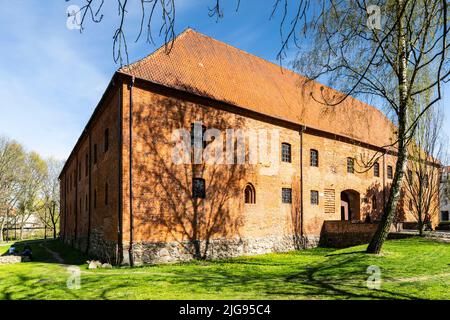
x: 205, y: 66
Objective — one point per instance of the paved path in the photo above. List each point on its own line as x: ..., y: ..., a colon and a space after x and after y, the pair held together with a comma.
x: 56, y: 256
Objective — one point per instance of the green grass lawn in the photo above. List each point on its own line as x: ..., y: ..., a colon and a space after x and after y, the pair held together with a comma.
x: 410, y: 269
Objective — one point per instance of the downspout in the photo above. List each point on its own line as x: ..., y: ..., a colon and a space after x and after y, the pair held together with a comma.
x: 301, y: 182
x: 76, y: 202
x: 384, y: 182
x: 130, y: 249
x: 89, y: 196
x: 65, y: 205
x: 119, y: 255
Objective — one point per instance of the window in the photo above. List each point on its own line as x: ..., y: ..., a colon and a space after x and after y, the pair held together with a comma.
x: 376, y: 169
x: 314, y: 161
x: 426, y: 181
x: 198, y: 188
x: 106, y: 140
x: 389, y: 172
x: 106, y: 194
x: 410, y: 175
x: 350, y: 165
x: 95, y: 198
x: 201, y: 137
x: 285, y: 152
x: 286, y: 195
x: 250, y: 194
x: 86, y: 164
x: 95, y: 154
x: 315, y: 197
x: 444, y: 216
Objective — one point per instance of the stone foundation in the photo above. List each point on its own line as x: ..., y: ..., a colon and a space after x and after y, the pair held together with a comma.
x: 216, y: 249
x: 104, y: 250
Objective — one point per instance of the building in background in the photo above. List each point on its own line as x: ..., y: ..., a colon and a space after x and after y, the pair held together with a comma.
x: 445, y: 194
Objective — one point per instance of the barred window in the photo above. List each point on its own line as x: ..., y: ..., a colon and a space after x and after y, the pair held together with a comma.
x: 286, y: 195
x: 389, y: 172
x: 314, y: 158
x: 198, y: 188
x: 314, y: 197
x: 350, y: 165
x: 285, y: 152
x: 376, y: 169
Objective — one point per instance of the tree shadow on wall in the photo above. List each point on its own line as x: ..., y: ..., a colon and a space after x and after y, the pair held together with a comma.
x: 375, y: 200
x: 166, y: 205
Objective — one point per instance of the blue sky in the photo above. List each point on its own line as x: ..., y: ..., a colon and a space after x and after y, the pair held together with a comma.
x: 51, y: 78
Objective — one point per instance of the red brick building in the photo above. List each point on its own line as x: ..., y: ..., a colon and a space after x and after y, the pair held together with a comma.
x: 124, y: 198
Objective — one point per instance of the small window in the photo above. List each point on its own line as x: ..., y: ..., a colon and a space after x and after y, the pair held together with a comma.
x: 106, y: 140
x: 202, y: 135
x: 106, y: 194
x: 198, y: 188
x: 314, y: 197
x: 95, y: 154
x: 376, y: 169
x: 86, y: 164
x: 95, y: 198
x: 285, y: 152
x: 426, y: 181
x: 286, y: 195
x: 389, y: 172
x: 314, y: 161
x: 350, y: 165
x: 250, y: 194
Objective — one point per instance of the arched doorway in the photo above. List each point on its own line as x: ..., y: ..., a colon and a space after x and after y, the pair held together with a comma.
x: 350, y: 205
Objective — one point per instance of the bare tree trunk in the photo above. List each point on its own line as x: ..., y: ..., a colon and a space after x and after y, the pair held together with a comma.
x: 386, y: 221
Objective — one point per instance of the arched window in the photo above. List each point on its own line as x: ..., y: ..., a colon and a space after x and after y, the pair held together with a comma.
x: 376, y: 169
x: 250, y: 194
x: 390, y: 173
